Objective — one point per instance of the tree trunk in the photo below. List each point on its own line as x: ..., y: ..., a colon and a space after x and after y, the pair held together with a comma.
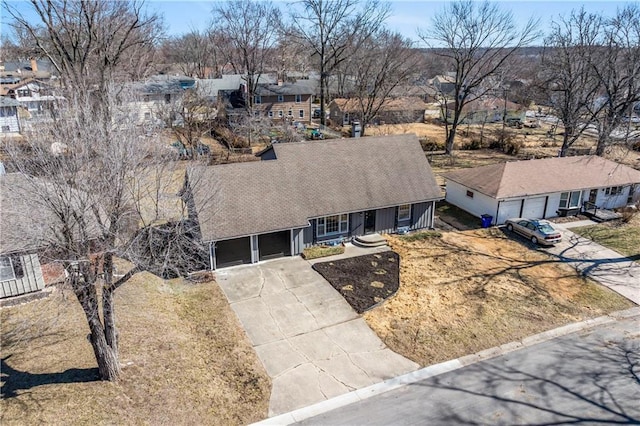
x: 106, y: 356
x: 448, y: 149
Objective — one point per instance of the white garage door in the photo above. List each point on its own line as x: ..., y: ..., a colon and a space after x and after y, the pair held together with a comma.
x: 534, y: 208
x: 508, y: 209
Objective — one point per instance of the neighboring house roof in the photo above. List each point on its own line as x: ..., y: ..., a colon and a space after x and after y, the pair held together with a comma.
x: 392, y: 104
x: 489, y: 103
x: 544, y: 176
x: 26, y: 223
x: 8, y: 102
x: 211, y: 86
x: 283, y: 89
x: 164, y: 84
x: 311, y: 179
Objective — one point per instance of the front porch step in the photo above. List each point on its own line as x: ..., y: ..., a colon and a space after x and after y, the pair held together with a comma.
x: 371, y: 240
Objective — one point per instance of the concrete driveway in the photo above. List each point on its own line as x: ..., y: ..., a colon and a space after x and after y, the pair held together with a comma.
x: 311, y: 342
x: 604, y: 265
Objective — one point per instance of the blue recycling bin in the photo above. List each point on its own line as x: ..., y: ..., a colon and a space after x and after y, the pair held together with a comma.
x: 486, y: 220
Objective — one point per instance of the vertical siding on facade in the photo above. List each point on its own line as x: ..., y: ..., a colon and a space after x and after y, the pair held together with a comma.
x: 420, y: 216
x: 302, y: 238
x: 386, y: 220
x: 30, y: 282
x: 307, y: 234
x: 356, y: 223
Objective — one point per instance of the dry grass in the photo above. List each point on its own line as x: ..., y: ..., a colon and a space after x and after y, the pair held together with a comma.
x: 316, y: 252
x: 621, y: 237
x: 186, y: 361
x: 473, y: 290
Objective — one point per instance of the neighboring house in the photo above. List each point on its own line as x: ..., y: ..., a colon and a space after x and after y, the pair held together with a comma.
x: 487, y: 109
x: 34, y: 96
x: 20, y: 270
x: 307, y: 193
x: 284, y: 101
x: 158, y: 93
x: 9, y: 119
x: 444, y: 84
x: 12, y: 72
x: 542, y: 188
x: 394, y: 111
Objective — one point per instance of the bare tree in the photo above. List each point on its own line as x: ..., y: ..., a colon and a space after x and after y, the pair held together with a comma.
x: 331, y: 29
x: 250, y: 27
x: 194, y: 52
x: 81, y: 168
x: 384, y: 62
x: 88, y: 42
x: 477, y: 39
x: 616, y: 67
x: 567, y: 75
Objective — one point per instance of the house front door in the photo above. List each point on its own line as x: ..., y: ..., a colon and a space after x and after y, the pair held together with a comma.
x: 369, y: 221
x: 593, y: 194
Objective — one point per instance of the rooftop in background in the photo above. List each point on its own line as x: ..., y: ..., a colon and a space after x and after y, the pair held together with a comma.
x: 542, y: 176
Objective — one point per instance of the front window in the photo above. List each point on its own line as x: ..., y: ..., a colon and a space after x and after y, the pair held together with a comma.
x: 331, y: 225
x: 280, y: 114
x: 570, y: 200
x: 614, y: 190
x: 257, y: 99
x: 280, y: 98
x: 404, y: 212
x: 10, y: 268
x: 298, y: 98
x: 301, y: 113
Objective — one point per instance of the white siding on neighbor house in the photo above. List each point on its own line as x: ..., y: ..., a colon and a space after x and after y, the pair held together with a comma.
x: 9, y: 120
x: 478, y: 205
x: 605, y: 201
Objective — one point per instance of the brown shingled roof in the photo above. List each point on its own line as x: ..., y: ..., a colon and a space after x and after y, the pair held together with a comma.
x: 311, y: 179
x: 544, y: 176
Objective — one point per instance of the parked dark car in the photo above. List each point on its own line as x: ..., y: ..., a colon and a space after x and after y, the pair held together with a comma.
x: 538, y: 231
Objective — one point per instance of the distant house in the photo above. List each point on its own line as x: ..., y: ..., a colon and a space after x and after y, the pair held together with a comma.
x: 35, y: 97
x: 444, y: 84
x: 12, y: 72
x: 283, y: 101
x: 9, y: 119
x: 487, y: 109
x: 307, y: 193
x: 542, y: 188
x: 20, y: 270
x: 154, y: 95
x: 393, y: 110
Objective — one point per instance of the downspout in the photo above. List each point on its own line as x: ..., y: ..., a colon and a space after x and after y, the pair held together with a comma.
x: 498, y: 212
x: 433, y: 215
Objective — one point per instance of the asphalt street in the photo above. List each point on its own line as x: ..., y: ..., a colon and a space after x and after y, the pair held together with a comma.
x: 588, y: 377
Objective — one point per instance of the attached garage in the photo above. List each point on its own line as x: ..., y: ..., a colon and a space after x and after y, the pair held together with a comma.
x: 236, y: 251
x: 534, y: 207
x: 274, y: 245
x: 508, y: 209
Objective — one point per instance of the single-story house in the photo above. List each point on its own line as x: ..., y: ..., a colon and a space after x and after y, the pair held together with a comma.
x: 34, y: 96
x: 487, y: 109
x: 9, y: 119
x: 542, y: 188
x: 306, y: 193
x: 20, y: 270
x: 343, y: 111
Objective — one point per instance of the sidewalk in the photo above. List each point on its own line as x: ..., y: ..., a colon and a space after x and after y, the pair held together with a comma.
x: 609, y: 268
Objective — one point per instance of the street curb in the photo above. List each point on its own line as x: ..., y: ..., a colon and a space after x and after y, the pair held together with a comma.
x: 441, y: 368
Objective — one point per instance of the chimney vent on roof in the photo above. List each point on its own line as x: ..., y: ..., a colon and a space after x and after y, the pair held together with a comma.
x: 34, y: 65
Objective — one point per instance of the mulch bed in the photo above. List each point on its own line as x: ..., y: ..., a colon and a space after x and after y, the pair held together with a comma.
x: 363, y: 281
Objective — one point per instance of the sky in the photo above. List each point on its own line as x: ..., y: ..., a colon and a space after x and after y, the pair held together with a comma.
x: 406, y: 15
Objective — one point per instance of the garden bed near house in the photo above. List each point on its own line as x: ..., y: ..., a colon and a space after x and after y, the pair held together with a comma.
x: 316, y: 252
x: 364, y: 281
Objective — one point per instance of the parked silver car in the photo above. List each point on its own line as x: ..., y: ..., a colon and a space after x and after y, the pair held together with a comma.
x: 538, y: 231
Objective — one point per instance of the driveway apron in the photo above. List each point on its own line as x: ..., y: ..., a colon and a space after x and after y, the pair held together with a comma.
x: 604, y: 265
x: 310, y: 341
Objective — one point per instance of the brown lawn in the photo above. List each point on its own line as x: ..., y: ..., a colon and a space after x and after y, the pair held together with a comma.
x: 186, y: 361
x: 471, y: 290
